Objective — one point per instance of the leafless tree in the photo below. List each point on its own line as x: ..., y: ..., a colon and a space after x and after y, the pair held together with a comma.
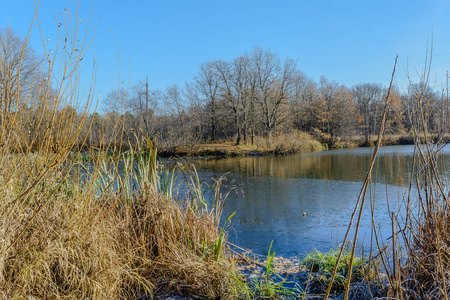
x: 144, y: 104
x: 20, y: 73
x: 368, y: 97
x: 236, y: 88
x: 207, y: 84
x: 425, y: 107
x: 174, y: 102
x: 274, y: 85
x: 304, y: 95
x: 116, y: 101
x: 340, y: 109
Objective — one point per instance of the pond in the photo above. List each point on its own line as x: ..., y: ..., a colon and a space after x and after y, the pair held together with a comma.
x: 305, y: 202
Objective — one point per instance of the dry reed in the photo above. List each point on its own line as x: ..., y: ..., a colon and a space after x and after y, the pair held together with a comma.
x: 413, y: 262
x: 65, y: 235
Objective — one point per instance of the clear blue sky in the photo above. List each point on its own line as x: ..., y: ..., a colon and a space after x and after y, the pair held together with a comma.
x: 346, y: 41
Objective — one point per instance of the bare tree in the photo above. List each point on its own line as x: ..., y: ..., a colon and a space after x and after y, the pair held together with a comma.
x: 19, y: 73
x: 144, y: 104
x: 207, y: 83
x: 173, y: 101
x: 424, y: 108
x: 303, y: 96
x: 340, y: 110
x: 368, y: 97
x: 275, y: 85
x: 396, y: 115
x: 116, y: 101
x: 174, y: 117
x: 114, y: 105
x: 236, y: 89
x: 196, y: 116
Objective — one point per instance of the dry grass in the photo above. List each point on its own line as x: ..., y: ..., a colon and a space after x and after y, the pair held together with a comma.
x: 82, y: 249
x: 420, y: 256
x: 291, y: 143
x: 415, y: 260
x: 65, y: 234
x: 281, y: 144
x: 422, y: 261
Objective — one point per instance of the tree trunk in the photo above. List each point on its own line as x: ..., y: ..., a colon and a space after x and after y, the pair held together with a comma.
x: 253, y: 136
x: 238, y: 140
x: 269, y: 135
x: 245, y: 128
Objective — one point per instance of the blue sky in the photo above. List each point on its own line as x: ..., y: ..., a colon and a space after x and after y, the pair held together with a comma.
x: 346, y: 41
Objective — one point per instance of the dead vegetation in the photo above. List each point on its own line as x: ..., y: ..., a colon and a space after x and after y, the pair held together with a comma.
x: 94, y: 235
x: 70, y: 230
x: 82, y: 249
x: 414, y: 260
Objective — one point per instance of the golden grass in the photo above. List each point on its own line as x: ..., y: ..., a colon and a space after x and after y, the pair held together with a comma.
x: 292, y: 143
x: 64, y: 236
x: 63, y: 233
x: 414, y: 261
x: 84, y: 246
x: 281, y: 144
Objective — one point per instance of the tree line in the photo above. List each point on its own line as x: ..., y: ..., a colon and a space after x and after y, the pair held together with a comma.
x: 260, y: 95
x: 255, y: 95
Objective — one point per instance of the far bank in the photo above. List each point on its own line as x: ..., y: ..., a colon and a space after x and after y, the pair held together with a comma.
x: 285, y: 144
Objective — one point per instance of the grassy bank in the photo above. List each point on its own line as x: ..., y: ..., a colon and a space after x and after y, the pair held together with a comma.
x: 97, y: 236
x: 112, y: 228
x: 283, y: 144
x: 111, y: 225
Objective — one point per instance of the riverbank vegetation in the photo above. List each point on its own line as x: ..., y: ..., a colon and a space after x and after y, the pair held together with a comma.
x: 414, y: 259
x: 114, y: 227
x: 255, y: 101
x: 285, y: 144
x: 97, y: 237
x: 420, y: 233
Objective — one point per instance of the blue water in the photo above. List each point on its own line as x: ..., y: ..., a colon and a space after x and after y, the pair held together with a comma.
x: 275, y: 192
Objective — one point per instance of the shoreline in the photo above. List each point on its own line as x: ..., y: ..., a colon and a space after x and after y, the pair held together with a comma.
x: 229, y: 149
x: 290, y: 145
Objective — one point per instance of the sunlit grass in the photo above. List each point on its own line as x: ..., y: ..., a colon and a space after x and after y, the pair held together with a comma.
x: 102, y: 224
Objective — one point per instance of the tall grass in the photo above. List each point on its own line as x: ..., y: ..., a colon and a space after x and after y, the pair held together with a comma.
x: 290, y: 143
x: 421, y: 235
x: 414, y: 262
x: 113, y: 231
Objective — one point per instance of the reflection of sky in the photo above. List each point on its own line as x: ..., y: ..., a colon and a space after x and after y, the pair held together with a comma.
x: 277, y: 190
x: 273, y: 209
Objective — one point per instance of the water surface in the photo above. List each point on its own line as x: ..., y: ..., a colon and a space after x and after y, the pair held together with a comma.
x: 274, y: 192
